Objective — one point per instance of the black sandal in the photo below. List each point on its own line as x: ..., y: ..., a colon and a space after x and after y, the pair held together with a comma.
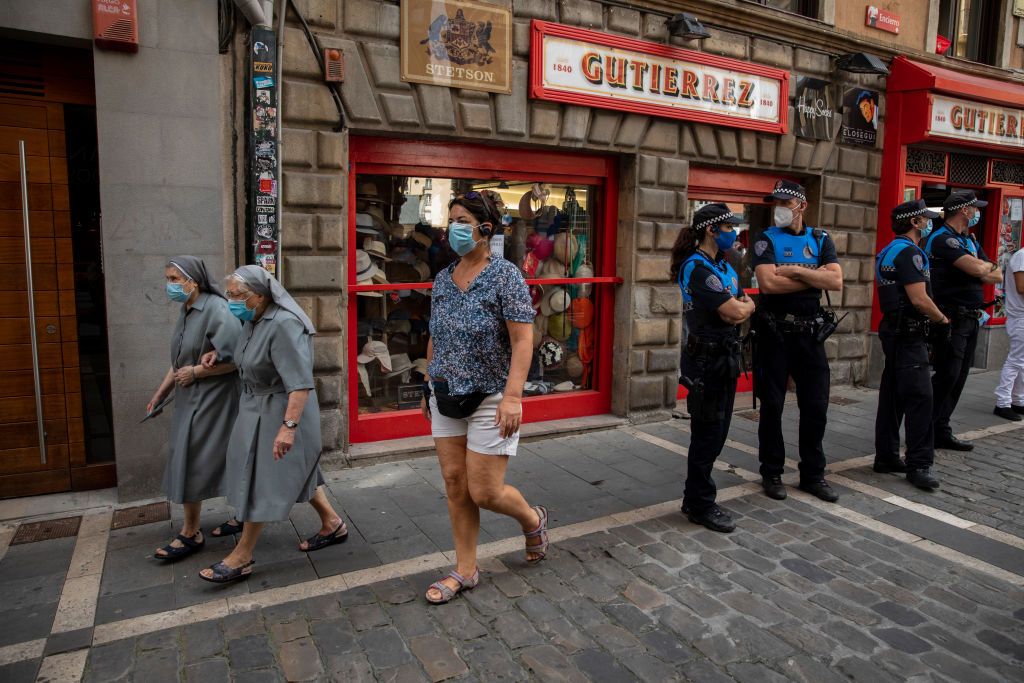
x: 316, y: 541
x: 227, y: 529
x: 225, y: 574
x: 188, y: 547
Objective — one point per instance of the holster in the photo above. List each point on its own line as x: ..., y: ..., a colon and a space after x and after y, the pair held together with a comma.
x: 708, y: 366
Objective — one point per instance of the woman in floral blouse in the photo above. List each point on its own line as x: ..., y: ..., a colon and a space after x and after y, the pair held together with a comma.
x: 480, y: 348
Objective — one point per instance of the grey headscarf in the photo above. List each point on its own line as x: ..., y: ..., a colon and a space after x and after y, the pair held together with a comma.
x: 259, y: 281
x: 194, y: 268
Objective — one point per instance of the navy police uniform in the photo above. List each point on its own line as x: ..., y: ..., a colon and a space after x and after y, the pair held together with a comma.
x: 710, y: 359
x: 788, y: 328
x: 960, y: 296
x: 906, y: 389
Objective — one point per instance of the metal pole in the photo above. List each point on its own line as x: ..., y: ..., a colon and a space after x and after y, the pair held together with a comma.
x: 32, y: 303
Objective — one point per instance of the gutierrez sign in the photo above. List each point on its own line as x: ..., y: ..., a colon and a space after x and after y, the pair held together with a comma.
x: 594, y: 69
x: 976, y: 122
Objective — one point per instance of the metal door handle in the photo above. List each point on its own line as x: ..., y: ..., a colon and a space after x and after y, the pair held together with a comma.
x: 32, y: 303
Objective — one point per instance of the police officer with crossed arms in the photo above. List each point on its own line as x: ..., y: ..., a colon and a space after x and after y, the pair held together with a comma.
x: 908, y: 312
x: 714, y: 307
x: 793, y: 263
x: 960, y: 268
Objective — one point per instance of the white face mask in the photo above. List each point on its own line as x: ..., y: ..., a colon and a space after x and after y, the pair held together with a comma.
x: 782, y: 216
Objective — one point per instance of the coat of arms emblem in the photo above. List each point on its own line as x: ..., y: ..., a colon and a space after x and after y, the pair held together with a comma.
x: 459, y: 40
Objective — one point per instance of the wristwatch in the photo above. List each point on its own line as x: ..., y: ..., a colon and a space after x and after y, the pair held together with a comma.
x: 291, y: 424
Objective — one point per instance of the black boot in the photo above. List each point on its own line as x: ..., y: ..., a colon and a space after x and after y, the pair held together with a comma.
x: 773, y: 487
x: 1008, y: 414
x: 714, y: 518
x: 886, y: 465
x: 923, y: 479
x: 951, y: 443
x: 820, y: 489
x: 1017, y: 409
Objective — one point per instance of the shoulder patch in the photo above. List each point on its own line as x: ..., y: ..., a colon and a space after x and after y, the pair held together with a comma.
x: 714, y: 284
x: 953, y: 243
x: 760, y: 247
x: 918, y: 262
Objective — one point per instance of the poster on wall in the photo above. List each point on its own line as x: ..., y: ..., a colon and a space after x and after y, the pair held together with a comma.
x: 860, y: 117
x: 264, y: 132
x: 457, y: 44
x: 815, y: 109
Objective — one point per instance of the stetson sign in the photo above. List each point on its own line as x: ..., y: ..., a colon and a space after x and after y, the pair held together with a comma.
x: 976, y: 122
x: 569, y: 64
x: 457, y: 44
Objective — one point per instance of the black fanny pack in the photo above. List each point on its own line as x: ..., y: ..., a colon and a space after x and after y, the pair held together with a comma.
x: 458, y: 407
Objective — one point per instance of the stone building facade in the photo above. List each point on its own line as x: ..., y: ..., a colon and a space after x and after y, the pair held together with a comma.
x: 654, y: 156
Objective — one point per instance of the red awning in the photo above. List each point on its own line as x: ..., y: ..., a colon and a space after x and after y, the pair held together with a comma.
x: 908, y: 75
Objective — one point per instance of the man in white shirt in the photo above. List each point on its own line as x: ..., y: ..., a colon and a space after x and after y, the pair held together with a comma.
x: 1010, y: 392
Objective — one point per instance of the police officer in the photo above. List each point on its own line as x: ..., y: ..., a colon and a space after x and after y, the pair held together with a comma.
x: 793, y: 263
x: 904, y: 296
x: 714, y: 306
x: 960, y: 268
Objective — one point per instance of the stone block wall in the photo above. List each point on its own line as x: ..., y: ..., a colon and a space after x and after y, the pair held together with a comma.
x: 654, y: 156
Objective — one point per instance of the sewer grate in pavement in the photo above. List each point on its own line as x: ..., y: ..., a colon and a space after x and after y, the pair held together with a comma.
x: 842, y: 400
x: 142, y: 514
x: 32, y: 532
x: 752, y: 415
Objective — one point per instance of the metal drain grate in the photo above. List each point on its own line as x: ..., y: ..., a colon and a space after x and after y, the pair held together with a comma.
x: 752, y: 415
x: 46, y: 531
x: 143, y: 514
x: 842, y: 400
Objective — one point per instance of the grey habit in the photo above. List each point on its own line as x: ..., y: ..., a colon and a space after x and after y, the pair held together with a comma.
x: 274, y: 357
x: 204, y: 411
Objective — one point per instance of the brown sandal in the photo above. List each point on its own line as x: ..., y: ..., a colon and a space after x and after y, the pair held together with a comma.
x: 541, y: 548
x: 447, y: 592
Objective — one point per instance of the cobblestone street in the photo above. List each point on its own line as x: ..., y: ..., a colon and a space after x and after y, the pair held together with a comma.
x: 890, y: 584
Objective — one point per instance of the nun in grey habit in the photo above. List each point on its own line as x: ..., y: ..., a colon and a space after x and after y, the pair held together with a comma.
x: 274, y: 447
x: 205, y: 399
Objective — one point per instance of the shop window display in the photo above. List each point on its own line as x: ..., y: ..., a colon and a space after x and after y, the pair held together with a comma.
x: 548, y: 230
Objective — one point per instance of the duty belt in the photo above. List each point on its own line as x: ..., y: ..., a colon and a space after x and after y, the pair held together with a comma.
x: 792, y: 323
x: 696, y: 346
x: 908, y: 325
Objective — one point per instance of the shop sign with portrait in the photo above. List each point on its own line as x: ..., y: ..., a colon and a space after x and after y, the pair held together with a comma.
x: 457, y: 44
x: 860, y: 117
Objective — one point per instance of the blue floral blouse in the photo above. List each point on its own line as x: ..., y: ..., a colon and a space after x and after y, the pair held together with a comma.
x: 472, y: 349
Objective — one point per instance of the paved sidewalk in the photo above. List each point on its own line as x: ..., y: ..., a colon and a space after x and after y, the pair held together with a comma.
x: 890, y: 584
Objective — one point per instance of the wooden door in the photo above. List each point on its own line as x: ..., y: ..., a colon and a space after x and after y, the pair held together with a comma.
x: 41, y: 126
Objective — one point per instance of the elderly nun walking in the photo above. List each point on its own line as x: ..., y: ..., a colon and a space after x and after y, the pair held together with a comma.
x: 206, y: 399
x: 274, y: 447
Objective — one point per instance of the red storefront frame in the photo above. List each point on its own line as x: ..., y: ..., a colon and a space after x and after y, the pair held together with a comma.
x: 909, y: 97
x: 381, y: 156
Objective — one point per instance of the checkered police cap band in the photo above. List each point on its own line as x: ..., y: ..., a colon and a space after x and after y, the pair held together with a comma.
x: 957, y: 207
x: 714, y: 220
x: 796, y: 193
x: 910, y: 214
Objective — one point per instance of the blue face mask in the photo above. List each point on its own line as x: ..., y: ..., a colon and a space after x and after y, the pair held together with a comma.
x: 725, y: 240
x: 975, y: 219
x: 926, y: 230
x: 241, y: 311
x: 176, y: 292
x: 460, y: 236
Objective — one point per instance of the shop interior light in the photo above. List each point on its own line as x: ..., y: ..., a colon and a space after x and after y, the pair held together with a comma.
x: 686, y: 26
x: 862, y: 63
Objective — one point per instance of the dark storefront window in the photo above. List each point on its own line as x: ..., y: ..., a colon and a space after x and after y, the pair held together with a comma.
x: 806, y: 8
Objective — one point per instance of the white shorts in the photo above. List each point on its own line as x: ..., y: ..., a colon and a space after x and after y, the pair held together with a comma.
x: 482, y: 435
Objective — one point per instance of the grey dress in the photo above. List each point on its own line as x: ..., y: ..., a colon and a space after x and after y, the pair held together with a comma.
x: 274, y: 356
x: 204, y: 411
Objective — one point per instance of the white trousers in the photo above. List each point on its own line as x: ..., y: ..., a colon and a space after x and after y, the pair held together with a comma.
x: 1011, y: 383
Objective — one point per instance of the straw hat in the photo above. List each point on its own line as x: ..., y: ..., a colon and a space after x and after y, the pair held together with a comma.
x: 366, y: 270
x: 566, y: 247
x: 552, y: 268
x: 375, y: 248
x: 555, y: 300
x: 585, y: 270
x: 368, y: 191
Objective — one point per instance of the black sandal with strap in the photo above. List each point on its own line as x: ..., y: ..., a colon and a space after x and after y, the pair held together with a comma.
x: 225, y: 574
x: 188, y: 547
x: 316, y: 541
x: 227, y: 529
